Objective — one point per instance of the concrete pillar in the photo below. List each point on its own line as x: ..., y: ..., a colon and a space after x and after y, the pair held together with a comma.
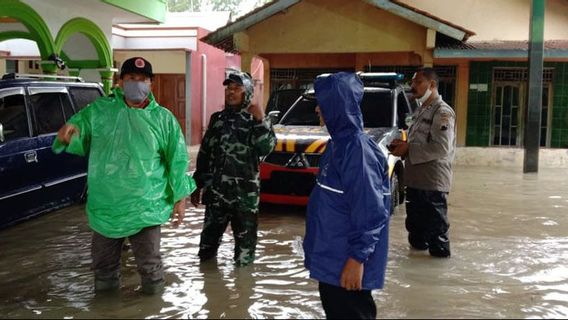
x: 106, y: 79
x: 246, y: 61
x: 48, y: 67
x: 266, y: 79
x: 534, y: 106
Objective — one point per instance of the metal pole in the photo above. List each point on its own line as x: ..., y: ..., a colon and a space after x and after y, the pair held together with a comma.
x: 534, y: 107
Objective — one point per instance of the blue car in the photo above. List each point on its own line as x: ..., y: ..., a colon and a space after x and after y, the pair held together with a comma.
x: 34, y: 180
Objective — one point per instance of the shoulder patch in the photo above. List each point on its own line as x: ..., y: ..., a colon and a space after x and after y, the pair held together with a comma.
x: 445, y: 118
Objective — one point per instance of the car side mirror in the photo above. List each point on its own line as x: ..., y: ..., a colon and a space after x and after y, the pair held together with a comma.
x: 273, y: 116
x: 2, y: 133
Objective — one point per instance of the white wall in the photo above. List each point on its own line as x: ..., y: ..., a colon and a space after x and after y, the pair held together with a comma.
x: 162, y: 61
x: 79, y: 47
x: 161, y: 43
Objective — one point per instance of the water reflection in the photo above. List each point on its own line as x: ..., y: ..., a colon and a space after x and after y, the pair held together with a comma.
x: 510, y: 254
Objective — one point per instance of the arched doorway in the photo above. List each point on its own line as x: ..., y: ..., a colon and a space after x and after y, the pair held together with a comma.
x: 51, y: 49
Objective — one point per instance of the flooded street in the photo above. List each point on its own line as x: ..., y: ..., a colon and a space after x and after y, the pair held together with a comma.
x: 509, y: 260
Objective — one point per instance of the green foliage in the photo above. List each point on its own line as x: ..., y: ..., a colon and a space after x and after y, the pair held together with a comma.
x: 210, y: 5
x: 226, y: 5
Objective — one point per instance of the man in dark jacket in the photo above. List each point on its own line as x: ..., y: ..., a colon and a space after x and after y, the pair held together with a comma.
x: 346, y: 240
x: 227, y: 169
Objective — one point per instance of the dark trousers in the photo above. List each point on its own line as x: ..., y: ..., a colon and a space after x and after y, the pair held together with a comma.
x: 145, y: 245
x: 244, y: 225
x: 427, y: 221
x: 339, y: 303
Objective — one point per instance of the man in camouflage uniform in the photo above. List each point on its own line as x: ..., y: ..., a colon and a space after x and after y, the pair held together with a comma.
x: 429, y: 155
x: 228, y: 170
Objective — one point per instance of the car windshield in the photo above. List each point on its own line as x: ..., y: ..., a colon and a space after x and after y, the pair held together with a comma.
x: 303, y: 113
x: 282, y: 100
x: 377, y: 109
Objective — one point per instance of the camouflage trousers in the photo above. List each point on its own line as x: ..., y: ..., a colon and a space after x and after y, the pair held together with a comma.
x: 244, y: 225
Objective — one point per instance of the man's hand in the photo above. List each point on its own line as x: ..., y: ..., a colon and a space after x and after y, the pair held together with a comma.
x: 352, y: 275
x: 256, y: 111
x: 66, y: 132
x: 196, y: 197
x: 398, y: 148
x: 179, y: 213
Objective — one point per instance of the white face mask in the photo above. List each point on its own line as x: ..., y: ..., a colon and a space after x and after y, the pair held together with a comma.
x: 425, y: 97
x: 136, y: 91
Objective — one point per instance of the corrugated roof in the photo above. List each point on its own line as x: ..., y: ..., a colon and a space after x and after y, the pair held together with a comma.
x: 498, y: 49
x: 503, y: 45
x: 223, y: 37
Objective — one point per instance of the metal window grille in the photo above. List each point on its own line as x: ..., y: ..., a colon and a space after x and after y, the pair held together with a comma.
x: 519, y: 74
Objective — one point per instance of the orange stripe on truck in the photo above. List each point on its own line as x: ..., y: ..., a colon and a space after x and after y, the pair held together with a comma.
x: 313, y: 148
x: 290, y: 145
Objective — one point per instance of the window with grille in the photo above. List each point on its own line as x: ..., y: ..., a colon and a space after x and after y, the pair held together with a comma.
x: 519, y: 74
x: 290, y: 78
x: 509, y: 106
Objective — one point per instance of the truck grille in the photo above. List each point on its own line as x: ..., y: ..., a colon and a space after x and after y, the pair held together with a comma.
x: 289, y: 183
x: 283, y: 158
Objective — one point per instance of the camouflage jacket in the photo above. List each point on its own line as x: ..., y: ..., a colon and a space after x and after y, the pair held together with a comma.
x: 229, y: 156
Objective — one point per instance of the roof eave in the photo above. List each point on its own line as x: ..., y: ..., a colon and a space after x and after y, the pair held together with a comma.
x: 421, y: 19
x: 242, y: 24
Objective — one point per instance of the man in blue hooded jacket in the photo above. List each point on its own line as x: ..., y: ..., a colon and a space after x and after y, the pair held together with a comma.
x: 346, y: 239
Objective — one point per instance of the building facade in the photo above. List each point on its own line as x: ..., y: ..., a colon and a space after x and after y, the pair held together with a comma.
x: 478, y: 47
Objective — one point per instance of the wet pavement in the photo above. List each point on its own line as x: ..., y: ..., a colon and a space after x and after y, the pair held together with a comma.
x: 509, y: 260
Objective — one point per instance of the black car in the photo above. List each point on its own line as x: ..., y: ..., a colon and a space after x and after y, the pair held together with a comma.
x: 280, y: 101
x: 288, y: 173
x: 34, y: 180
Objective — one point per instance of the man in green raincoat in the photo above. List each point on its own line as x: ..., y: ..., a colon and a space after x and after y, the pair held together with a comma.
x: 136, y: 175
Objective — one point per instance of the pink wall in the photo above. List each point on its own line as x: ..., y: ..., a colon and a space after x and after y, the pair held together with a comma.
x: 216, y: 64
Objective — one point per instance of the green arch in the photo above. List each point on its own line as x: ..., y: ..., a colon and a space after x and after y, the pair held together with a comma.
x: 38, y: 30
x: 92, y: 32
x: 9, y: 35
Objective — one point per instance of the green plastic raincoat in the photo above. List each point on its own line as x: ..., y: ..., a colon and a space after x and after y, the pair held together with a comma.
x: 137, y: 164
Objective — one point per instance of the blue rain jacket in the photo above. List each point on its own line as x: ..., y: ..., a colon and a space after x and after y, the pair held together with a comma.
x: 348, y: 211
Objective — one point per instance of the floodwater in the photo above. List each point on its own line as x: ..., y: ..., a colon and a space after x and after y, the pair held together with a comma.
x: 509, y: 260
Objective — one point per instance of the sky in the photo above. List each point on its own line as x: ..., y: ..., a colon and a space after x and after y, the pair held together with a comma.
x: 246, y: 6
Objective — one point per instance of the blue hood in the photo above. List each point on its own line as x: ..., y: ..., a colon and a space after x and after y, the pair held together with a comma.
x: 349, y: 207
x: 339, y: 96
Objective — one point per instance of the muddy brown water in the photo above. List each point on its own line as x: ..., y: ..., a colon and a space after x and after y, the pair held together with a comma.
x: 509, y: 244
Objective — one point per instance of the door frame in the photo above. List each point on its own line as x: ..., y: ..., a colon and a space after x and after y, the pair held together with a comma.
x: 520, y: 114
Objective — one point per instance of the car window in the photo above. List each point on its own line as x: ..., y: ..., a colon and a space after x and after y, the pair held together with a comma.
x: 302, y: 114
x: 403, y: 110
x: 13, y: 117
x: 83, y: 96
x: 51, y: 110
x: 377, y: 109
x: 282, y: 100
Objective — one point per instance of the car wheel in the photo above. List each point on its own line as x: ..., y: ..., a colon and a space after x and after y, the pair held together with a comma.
x: 395, y: 191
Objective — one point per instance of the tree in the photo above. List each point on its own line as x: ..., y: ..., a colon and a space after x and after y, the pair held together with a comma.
x: 235, y: 6
x: 226, y: 5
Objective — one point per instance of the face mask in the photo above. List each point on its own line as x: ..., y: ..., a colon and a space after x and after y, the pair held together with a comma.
x: 425, y: 97
x: 136, y: 91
